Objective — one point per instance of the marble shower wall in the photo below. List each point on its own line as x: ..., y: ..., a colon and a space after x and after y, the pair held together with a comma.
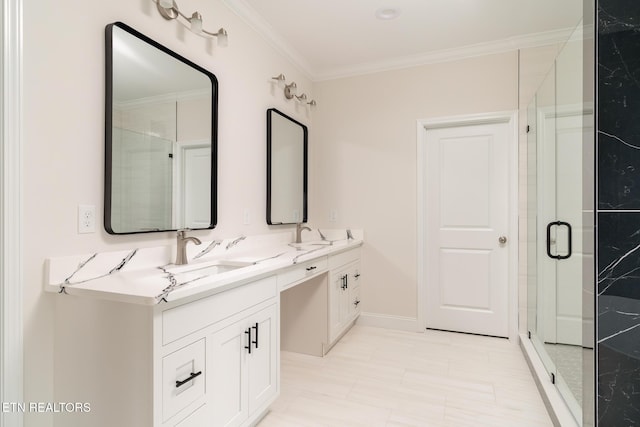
x: 618, y: 213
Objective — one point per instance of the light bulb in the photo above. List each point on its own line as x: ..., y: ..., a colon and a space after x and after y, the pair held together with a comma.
x: 223, y: 38
x: 196, y: 23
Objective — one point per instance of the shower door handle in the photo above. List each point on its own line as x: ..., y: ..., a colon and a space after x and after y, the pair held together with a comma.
x: 569, y: 249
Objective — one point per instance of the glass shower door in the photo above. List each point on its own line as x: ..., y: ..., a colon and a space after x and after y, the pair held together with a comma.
x: 555, y: 200
x: 565, y: 235
x: 571, y: 123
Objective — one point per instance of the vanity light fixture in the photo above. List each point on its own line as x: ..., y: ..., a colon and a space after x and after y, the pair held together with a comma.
x: 169, y: 10
x: 291, y: 89
x: 303, y: 98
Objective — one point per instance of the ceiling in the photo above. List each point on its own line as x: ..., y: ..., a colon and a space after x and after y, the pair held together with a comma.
x: 334, y: 38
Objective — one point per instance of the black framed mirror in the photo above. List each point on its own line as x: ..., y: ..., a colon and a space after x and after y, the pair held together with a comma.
x: 287, y: 141
x: 160, y: 137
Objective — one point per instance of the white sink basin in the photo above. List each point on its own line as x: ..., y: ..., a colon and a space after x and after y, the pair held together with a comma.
x: 310, y: 245
x: 209, y: 268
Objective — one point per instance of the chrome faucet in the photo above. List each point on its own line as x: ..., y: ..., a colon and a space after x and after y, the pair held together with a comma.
x: 299, y: 229
x: 181, y: 251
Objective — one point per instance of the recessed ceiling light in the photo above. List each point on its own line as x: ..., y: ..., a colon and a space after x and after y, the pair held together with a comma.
x: 387, y: 13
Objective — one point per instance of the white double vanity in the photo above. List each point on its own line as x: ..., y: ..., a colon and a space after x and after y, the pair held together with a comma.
x: 149, y: 343
x: 143, y: 342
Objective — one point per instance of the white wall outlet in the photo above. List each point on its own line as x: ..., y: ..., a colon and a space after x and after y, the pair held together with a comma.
x: 246, y: 216
x: 86, y: 219
x: 333, y: 215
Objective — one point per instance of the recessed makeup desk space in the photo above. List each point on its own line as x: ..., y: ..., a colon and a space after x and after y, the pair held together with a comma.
x: 155, y: 344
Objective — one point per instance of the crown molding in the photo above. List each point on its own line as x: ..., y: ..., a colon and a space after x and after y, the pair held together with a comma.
x: 163, y: 98
x: 448, y: 55
x: 266, y: 31
x: 255, y: 21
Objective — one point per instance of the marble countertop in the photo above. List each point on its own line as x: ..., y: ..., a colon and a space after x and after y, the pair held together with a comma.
x: 147, y: 276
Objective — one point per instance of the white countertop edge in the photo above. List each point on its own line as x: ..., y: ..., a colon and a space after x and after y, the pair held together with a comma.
x: 98, y: 288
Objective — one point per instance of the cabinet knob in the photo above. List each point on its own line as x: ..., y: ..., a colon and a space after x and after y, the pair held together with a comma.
x: 356, y: 302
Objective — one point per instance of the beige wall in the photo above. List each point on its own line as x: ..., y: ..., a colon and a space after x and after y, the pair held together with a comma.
x: 364, y: 146
x: 64, y: 143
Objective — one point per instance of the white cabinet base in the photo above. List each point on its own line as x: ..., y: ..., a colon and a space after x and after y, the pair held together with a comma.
x: 207, y: 359
x: 117, y: 358
x: 315, y: 314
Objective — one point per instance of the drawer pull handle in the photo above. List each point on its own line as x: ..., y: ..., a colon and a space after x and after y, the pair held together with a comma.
x: 345, y: 282
x: 191, y: 377
x: 356, y: 275
x: 356, y: 302
x: 256, y: 328
x: 313, y: 267
x: 248, y: 347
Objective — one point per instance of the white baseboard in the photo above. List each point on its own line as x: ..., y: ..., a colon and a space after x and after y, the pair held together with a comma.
x: 388, y: 321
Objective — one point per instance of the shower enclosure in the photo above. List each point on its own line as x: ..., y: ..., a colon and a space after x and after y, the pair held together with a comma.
x: 560, y: 227
x: 142, y: 182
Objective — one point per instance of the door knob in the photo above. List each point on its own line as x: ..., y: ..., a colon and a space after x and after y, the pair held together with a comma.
x: 502, y: 240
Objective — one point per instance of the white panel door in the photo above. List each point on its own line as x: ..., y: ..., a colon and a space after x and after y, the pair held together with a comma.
x: 467, y: 200
x: 227, y: 379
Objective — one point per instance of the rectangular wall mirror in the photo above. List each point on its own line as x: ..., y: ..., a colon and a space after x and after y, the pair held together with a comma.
x: 160, y: 137
x: 286, y: 169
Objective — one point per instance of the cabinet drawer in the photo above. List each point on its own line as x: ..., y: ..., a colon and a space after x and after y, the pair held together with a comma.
x: 199, y: 418
x: 183, y: 378
x: 301, y: 271
x: 185, y: 319
x: 343, y: 258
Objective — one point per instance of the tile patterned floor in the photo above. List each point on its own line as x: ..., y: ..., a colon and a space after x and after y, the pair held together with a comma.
x: 378, y: 377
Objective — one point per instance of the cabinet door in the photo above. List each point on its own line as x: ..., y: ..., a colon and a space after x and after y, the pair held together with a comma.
x: 263, y: 360
x: 339, y: 301
x: 228, y: 375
